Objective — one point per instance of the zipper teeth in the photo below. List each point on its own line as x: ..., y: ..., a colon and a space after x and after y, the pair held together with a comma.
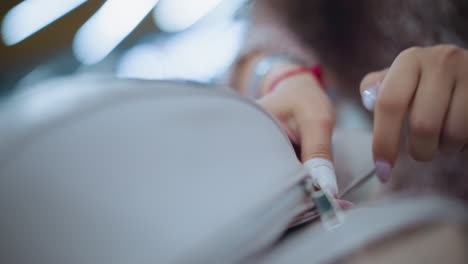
x: 310, y: 214
x: 294, y: 202
x: 257, y: 231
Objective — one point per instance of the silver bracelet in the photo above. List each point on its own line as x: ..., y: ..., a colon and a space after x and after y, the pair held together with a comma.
x: 263, y: 67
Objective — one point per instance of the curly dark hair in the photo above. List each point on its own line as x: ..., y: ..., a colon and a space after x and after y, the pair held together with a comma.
x: 341, y: 31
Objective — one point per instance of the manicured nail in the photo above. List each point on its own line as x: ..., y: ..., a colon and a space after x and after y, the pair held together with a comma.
x: 345, y: 205
x: 323, y: 172
x: 383, y: 170
x: 369, y: 97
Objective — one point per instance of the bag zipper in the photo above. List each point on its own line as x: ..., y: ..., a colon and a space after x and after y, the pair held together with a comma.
x: 258, y: 230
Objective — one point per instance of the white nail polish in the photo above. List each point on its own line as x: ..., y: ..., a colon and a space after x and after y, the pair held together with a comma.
x: 369, y: 97
x: 323, y: 172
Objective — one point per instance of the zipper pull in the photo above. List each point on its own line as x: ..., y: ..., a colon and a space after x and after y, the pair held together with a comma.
x: 330, y: 212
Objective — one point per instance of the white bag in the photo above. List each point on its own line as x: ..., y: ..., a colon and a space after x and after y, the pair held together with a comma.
x: 120, y: 171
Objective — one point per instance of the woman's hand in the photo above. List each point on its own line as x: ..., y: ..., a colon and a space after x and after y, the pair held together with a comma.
x: 305, y: 112
x: 429, y: 86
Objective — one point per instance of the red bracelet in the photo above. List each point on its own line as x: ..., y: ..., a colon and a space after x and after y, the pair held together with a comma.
x: 315, y: 70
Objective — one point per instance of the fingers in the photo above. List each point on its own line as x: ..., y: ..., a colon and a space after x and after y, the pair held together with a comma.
x: 430, y: 85
x: 372, y: 79
x: 395, y: 95
x: 428, y: 110
x: 315, y: 121
x: 455, y: 132
x: 345, y: 205
x: 305, y: 111
x: 279, y: 108
x: 303, y: 106
x: 369, y: 88
x: 316, y: 132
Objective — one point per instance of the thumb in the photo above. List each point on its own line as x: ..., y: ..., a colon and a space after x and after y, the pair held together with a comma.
x: 315, y: 138
x: 369, y: 88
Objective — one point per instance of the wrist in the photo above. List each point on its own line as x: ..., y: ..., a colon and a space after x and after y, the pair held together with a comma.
x: 264, y: 66
x: 268, y: 71
x: 276, y: 71
x: 249, y: 72
x: 309, y: 76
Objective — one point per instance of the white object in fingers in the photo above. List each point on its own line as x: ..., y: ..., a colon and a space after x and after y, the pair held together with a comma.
x: 369, y: 97
x: 323, y: 173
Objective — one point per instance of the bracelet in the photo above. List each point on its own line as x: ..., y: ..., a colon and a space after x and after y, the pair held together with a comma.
x: 263, y: 67
x: 315, y: 71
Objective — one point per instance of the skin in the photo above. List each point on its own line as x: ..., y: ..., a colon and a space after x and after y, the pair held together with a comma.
x: 421, y: 101
x: 420, y: 116
x: 303, y: 109
x: 429, y: 85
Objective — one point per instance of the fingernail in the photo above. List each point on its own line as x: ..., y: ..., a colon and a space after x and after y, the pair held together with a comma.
x: 331, y: 188
x: 369, y: 97
x: 345, y: 205
x: 383, y: 170
x: 323, y: 172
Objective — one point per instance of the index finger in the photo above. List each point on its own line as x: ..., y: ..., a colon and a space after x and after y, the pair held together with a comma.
x: 395, y: 95
x: 316, y: 124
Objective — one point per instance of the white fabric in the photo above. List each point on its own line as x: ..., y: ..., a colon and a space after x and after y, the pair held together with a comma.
x: 115, y: 171
x: 118, y: 171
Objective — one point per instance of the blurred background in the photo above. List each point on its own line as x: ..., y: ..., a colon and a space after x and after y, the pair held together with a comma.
x: 146, y: 39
